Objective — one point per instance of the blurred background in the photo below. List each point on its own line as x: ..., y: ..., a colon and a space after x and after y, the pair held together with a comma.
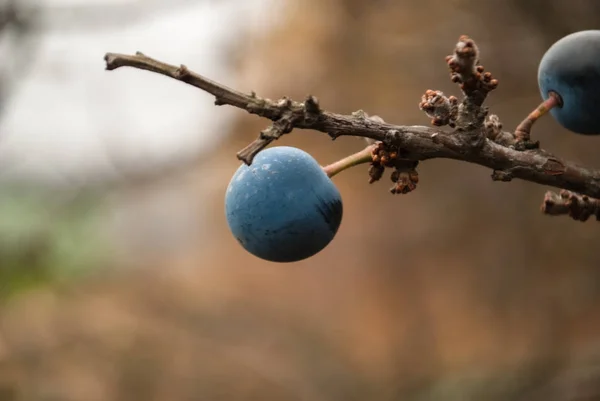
x: 119, y: 279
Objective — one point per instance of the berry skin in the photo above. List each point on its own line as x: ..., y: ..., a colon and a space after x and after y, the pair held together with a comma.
x: 283, y: 207
x: 571, y: 68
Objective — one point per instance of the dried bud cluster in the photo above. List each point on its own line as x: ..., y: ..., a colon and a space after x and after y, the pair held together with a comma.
x: 404, y: 176
x: 405, y: 179
x: 441, y: 109
x: 466, y: 70
x: 384, y: 155
x: 475, y: 83
x: 492, y: 126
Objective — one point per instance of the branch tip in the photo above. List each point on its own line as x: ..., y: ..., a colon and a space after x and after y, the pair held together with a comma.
x: 109, y: 60
x: 248, y: 154
x: 466, y: 70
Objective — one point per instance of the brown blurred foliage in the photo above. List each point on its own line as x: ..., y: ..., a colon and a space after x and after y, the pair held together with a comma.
x: 461, y: 290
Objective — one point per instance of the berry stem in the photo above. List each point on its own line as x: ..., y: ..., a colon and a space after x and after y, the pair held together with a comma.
x: 523, y: 130
x: 362, y: 157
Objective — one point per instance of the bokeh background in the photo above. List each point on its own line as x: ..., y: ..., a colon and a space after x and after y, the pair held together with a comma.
x: 120, y: 281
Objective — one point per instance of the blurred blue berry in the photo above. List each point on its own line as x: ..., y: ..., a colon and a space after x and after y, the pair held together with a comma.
x: 571, y: 68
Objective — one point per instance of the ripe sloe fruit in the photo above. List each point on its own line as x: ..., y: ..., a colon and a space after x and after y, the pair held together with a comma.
x: 283, y: 207
x: 571, y: 68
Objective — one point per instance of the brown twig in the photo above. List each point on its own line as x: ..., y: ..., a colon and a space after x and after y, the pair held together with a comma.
x: 477, y: 138
x: 578, y: 207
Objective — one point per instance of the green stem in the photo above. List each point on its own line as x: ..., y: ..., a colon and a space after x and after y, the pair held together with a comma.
x: 362, y: 157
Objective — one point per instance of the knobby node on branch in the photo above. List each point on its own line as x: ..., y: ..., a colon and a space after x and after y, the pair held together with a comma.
x: 475, y: 135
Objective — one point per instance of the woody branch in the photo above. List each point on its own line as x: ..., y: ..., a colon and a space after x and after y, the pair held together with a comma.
x: 475, y: 136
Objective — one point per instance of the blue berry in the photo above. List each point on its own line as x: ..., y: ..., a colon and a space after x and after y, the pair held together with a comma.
x: 571, y: 68
x: 283, y: 207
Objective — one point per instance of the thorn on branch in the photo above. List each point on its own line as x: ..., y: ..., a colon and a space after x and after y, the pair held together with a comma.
x: 578, y: 207
x: 312, y: 109
x: 466, y: 71
x: 441, y: 109
x: 282, y: 126
x: 182, y: 72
